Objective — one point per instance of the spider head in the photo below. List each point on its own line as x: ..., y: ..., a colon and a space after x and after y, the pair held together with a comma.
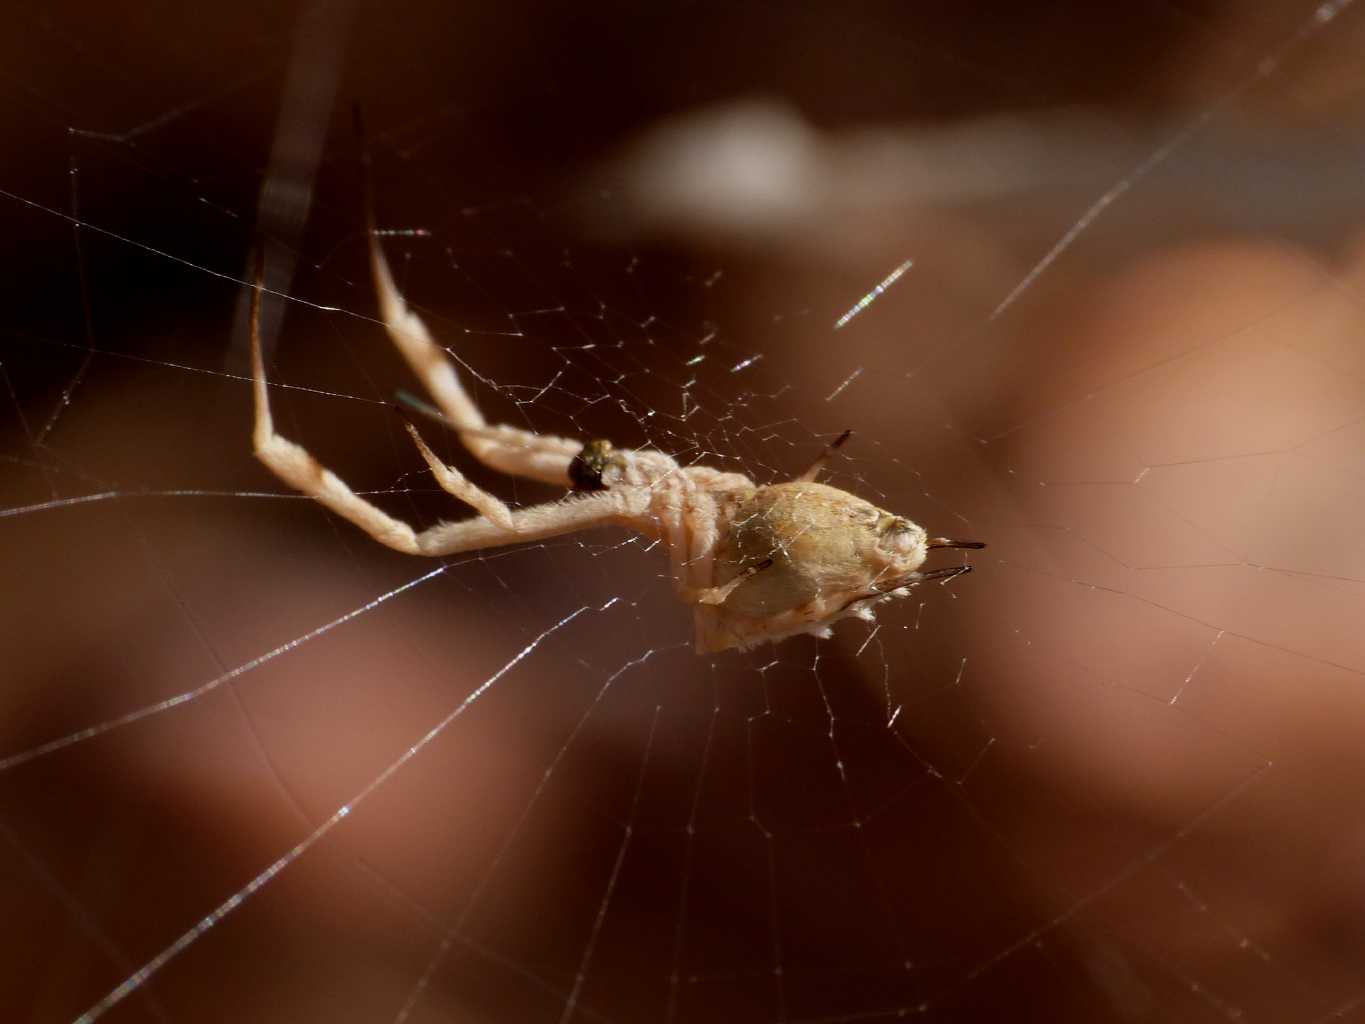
x: 597, y: 467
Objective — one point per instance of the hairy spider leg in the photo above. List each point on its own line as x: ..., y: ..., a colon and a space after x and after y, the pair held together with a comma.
x: 506, y: 449
x: 497, y: 526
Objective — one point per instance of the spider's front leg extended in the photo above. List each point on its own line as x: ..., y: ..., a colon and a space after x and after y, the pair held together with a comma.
x: 497, y: 525
x: 504, y: 448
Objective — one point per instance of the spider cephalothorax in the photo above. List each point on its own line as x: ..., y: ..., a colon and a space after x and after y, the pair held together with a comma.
x: 597, y: 466
x: 757, y: 563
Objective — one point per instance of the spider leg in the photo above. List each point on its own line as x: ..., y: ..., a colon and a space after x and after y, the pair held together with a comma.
x: 503, y: 448
x: 813, y: 472
x: 933, y: 575
x: 944, y: 575
x: 552, y: 519
x: 717, y: 595
x: 454, y: 482
x: 296, y: 466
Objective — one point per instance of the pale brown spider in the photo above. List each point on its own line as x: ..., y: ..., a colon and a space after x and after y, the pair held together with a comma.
x: 756, y: 563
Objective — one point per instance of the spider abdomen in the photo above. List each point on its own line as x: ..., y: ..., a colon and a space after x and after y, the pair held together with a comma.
x: 797, y: 541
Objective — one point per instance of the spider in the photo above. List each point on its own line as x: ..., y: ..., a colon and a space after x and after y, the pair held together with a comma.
x: 756, y: 563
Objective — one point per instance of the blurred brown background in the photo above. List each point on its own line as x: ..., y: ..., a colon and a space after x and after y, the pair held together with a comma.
x: 1122, y: 781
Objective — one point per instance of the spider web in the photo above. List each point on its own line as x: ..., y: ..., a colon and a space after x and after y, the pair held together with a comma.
x: 1087, y: 286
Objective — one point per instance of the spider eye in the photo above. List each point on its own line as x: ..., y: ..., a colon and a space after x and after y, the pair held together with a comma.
x: 588, y: 467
